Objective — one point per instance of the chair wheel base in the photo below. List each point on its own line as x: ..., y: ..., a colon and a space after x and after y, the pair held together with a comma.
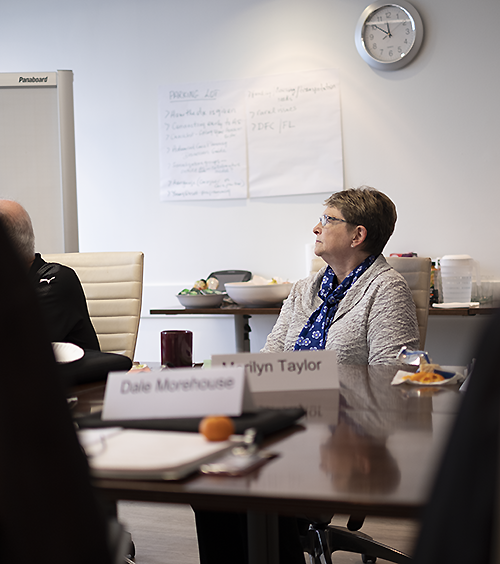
x: 131, y: 551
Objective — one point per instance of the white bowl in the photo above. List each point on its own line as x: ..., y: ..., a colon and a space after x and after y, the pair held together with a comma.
x: 256, y: 295
x: 200, y: 300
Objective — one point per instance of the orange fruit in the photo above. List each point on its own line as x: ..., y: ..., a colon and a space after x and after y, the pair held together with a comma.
x: 216, y: 427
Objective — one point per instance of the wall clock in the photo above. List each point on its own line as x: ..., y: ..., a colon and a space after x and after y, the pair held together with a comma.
x: 389, y: 34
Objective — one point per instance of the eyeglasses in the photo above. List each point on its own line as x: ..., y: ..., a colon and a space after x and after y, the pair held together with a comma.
x: 324, y: 219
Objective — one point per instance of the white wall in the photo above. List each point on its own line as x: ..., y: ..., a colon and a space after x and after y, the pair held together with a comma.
x: 427, y: 134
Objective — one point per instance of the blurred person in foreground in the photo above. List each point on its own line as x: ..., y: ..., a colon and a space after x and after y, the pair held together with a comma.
x: 48, y: 503
x: 57, y: 287
x: 357, y: 305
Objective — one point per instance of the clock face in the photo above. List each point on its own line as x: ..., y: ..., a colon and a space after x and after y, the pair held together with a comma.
x: 389, y: 35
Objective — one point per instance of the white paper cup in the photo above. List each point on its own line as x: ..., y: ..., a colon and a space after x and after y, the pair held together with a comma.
x: 456, y: 278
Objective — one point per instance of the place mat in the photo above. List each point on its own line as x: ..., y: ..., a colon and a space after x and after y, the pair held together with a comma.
x: 265, y: 420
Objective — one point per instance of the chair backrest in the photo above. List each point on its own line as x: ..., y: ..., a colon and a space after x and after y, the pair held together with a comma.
x: 112, y: 283
x: 417, y: 273
x: 317, y: 263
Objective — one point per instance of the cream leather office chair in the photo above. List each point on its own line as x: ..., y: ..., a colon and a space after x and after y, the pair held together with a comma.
x: 112, y: 283
x: 417, y: 273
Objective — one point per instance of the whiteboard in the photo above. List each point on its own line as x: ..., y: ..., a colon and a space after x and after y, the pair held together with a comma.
x: 37, y: 154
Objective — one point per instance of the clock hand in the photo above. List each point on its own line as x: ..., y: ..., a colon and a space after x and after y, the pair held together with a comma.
x: 382, y: 30
x: 388, y: 30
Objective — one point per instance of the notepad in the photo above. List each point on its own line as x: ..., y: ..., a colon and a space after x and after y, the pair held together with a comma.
x: 142, y: 454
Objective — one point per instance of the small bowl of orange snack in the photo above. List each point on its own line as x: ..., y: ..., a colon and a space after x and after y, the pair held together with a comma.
x: 425, y: 378
x: 427, y: 375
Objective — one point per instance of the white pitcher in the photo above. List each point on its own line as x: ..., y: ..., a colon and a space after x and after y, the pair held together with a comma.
x: 456, y: 278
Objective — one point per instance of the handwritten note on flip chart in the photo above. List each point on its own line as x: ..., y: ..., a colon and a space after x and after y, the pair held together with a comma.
x: 202, y: 142
x: 294, y: 134
x: 268, y: 136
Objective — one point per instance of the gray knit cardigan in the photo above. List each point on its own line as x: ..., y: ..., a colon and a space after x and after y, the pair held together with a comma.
x: 374, y: 320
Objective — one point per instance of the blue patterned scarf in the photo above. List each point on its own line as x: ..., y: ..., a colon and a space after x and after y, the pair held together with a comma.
x: 313, y: 335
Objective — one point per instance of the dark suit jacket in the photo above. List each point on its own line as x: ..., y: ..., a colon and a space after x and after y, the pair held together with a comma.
x: 63, y: 304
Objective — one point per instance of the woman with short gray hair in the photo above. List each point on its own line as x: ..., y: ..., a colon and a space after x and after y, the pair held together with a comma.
x: 356, y: 304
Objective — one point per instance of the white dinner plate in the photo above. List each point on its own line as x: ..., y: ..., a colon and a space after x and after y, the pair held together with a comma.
x: 451, y: 305
x: 67, y: 352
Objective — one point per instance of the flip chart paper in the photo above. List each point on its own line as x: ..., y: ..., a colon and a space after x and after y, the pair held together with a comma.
x: 267, y: 136
x: 202, y: 142
x: 294, y: 134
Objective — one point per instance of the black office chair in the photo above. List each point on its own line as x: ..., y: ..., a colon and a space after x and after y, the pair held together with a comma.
x: 322, y: 539
x: 48, y: 509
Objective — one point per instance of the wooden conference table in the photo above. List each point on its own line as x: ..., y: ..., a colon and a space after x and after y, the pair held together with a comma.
x: 243, y: 314
x: 369, y: 449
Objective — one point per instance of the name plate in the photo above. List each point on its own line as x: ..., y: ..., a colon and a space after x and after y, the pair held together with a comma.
x: 286, y: 371
x: 181, y: 392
